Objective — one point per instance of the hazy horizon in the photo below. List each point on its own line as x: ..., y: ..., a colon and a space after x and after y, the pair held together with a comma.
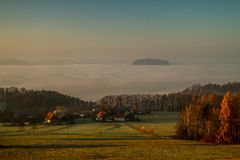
x: 120, y: 31
x: 94, y: 81
x: 204, y: 34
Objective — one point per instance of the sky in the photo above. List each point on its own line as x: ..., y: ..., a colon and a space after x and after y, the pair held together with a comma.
x: 119, y: 31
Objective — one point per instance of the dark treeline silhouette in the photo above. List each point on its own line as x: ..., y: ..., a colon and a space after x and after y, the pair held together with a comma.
x: 173, y: 102
x: 143, y: 103
x: 233, y: 87
x: 36, y: 103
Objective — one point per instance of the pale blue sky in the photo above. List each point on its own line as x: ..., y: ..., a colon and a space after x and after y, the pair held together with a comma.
x: 205, y: 31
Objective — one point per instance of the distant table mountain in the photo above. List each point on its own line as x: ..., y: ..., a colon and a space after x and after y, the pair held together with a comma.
x: 149, y: 61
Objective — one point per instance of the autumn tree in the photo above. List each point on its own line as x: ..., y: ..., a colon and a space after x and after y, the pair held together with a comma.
x: 198, y: 119
x: 209, y: 116
x: 237, y: 119
x: 225, y: 117
x: 189, y: 127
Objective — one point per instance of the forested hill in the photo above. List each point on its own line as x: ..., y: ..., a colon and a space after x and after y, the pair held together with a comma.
x: 39, y: 102
x: 233, y: 87
x: 167, y: 102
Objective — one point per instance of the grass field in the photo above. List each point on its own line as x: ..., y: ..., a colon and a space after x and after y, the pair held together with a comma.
x: 96, y: 140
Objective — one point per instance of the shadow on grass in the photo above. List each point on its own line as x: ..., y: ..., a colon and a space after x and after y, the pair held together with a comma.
x: 115, y: 138
x: 56, y: 146
x: 116, y: 125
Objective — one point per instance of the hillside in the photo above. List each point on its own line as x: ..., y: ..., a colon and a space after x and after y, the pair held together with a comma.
x: 39, y: 102
x: 166, y: 102
x: 217, y: 89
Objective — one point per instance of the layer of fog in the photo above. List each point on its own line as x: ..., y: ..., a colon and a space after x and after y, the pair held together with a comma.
x: 93, y: 81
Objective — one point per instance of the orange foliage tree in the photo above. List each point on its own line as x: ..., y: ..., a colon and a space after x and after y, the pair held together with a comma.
x: 224, y: 134
x: 211, y: 120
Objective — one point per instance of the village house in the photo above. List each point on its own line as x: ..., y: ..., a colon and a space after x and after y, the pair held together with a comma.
x: 49, y: 117
x: 63, y: 116
x: 119, y: 117
x: 101, y: 116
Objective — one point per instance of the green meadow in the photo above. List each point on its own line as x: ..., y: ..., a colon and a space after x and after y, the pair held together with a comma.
x: 116, y: 140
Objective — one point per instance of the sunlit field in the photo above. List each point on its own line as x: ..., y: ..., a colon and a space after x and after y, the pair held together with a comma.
x: 99, y: 140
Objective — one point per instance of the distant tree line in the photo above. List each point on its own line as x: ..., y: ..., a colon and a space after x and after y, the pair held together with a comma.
x: 173, y: 102
x: 145, y: 103
x: 211, y: 120
x: 36, y: 103
x: 217, y: 89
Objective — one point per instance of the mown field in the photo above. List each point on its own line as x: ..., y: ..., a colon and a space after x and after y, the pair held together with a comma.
x: 97, y: 140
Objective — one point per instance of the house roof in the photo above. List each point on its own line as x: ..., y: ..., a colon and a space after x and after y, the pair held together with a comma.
x: 49, y: 115
x: 101, y: 114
